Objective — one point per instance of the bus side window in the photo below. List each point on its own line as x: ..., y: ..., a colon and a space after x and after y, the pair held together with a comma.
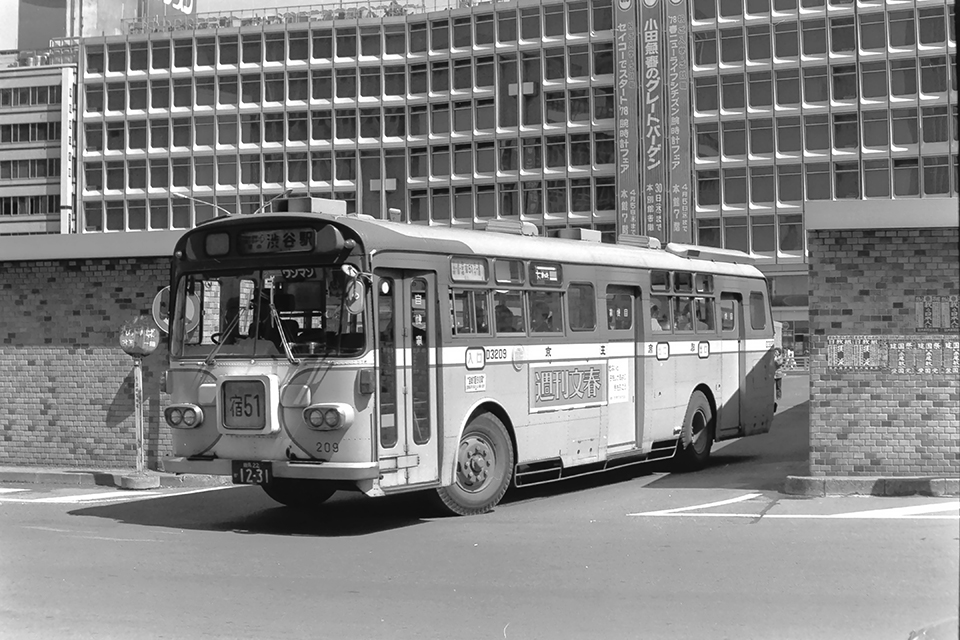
x: 758, y: 311
x: 659, y: 313
x: 728, y: 315
x: 703, y: 315
x: 683, y: 313
x: 545, y: 316
x: 619, y: 305
x: 582, y: 307
x: 508, y: 311
x: 469, y: 312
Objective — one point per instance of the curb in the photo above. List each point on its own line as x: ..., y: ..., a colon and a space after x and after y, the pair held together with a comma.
x: 822, y: 486
x: 119, y: 479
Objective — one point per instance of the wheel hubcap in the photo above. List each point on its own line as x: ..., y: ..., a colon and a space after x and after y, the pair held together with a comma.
x: 476, y: 461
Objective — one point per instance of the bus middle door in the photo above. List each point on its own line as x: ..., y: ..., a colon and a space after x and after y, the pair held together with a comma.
x: 408, y: 442
x: 732, y: 365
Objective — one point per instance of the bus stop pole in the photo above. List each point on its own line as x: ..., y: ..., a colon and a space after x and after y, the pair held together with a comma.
x: 138, y: 410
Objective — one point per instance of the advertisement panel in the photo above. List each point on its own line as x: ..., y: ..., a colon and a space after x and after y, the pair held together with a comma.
x: 678, y: 122
x: 652, y: 130
x: 626, y: 92
x: 169, y: 8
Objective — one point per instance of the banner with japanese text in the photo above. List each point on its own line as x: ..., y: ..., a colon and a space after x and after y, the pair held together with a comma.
x: 628, y: 173
x: 678, y: 122
x: 652, y: 129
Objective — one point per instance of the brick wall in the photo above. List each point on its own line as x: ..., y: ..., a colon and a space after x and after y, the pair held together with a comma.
x: 884, y: 388
x: 66, y: 388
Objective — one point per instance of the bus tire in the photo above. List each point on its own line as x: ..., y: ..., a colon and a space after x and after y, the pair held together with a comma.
x: 297, y: 493
x: 696, y: 435
x: 484, y: 468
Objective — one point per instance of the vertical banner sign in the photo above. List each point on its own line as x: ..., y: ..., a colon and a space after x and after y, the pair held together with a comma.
x: 678, y: 121
x: 628, y: 173
x: 651, y: 119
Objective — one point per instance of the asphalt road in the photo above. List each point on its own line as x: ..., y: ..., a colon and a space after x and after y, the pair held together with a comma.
x: 636, y: 554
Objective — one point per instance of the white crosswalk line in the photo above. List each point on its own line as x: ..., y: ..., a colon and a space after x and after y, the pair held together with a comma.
x: 666, y: 512
x: 8, y: 490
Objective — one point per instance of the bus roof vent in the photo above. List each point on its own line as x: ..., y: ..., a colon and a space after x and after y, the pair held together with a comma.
x: 645, y: 242
x: 577, y: 233
x: 513, y: 227
x: 710, y: 253
x: 311, y: 205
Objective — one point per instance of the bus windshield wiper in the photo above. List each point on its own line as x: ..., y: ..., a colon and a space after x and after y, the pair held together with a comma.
x: 283, y: 336
x: 210, y: 359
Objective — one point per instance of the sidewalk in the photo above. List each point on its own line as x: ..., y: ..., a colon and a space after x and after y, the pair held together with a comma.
x: 120, y: 478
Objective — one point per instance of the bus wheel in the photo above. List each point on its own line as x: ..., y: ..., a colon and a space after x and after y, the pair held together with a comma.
x: 301, y: 494
x: 696, y: 437
x: 484, y: 468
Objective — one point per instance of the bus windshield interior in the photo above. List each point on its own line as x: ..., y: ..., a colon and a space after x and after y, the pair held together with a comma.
x: 252, y: 313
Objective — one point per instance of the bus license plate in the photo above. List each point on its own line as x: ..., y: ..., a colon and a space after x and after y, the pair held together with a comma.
x: 252, y: 472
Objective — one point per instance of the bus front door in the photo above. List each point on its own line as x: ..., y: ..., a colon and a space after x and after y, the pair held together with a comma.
x: 732, y: 365
x: 407, y: 437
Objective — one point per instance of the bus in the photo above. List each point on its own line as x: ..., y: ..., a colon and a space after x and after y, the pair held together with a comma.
x: 312, y: 351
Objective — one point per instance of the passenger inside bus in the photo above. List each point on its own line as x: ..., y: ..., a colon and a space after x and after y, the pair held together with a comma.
x: 505, y: 320
x: 542, y: 317
x: 684, y: 315
x: 659, y: 320
x: 655, y: 318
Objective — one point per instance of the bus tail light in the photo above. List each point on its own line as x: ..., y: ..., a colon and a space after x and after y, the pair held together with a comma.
x: 183, y: 416
x: 328, y: 417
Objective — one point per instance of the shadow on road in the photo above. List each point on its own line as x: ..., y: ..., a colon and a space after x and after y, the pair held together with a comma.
x: 247, y: 510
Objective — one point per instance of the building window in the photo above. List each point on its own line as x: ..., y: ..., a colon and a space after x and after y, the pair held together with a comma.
x: 346, y: 83
x: 904, y: 126
x: 814, y: 37
x: 791, y: 233
x: 818, y: 181
x: 704, y: 48
x: 731, y: 46
x: 733, y: 94
x: 322, y: 84
x: 846, y: 177
x: 815, y: 85
x: 876, y: 178
x: 843, y: 37
x: 933, y: 75
x: 394, y: 81
x: 876, y: 129
x: 873, y: 31
x: 758, y: 7
x: 902, y: 29
x: 509, y: 199
x: 785, y: 40
x: 704, y: 10
x: 736, y: 234
x: 605, y: 193
x: 844, y: 82
x: 532, y: 154
x: 603, y: 103
x: 735, y: 187
x: 731, y: 9
x: 931, y: 26
x: 734, y: 139
x: 762, y: 186
x: 533, y: 198
x: 788, y: 135
x: 845, y: 131
x: 761, y: 90
x: 708, y: 141
x: 936, y: 176
x: 906, y: 177
x: 758, y: 43
x: 708, y: 188
x: 934, y: 124
x: 764, y: 234
x: 816, y: 133
x: 604, y: 149
x: 790, y: 183
x: 705, y: 90
x: 708, y: 232
x: 788, y: 88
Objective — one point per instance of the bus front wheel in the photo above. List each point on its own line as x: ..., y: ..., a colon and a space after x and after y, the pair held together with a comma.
x: 696, y: 436
x: 300, y: 494
x: 484, y: 468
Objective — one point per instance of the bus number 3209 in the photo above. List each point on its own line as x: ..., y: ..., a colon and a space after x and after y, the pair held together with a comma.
x: 328, y: 447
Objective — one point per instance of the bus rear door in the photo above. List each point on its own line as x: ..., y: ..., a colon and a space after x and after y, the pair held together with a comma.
x: 732, y: 366
x: 408, y: 440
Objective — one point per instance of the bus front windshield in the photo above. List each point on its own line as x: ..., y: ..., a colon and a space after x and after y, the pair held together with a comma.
x: 269, y: 313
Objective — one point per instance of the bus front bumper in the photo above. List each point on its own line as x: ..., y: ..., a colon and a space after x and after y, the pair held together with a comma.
x: 350, y: 471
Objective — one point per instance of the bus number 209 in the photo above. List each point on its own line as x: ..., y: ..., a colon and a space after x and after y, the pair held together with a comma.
x: 328, y: 447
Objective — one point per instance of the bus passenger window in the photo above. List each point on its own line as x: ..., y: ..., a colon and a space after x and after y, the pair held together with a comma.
x: 758, y: 311
x: 683, y: 314
x: 545, y: 312
x: 682, y: 282
x: 582, y: 307
x: 728, y: 315
x: 508, y: 310
x: 619, y: 305
x: 703, y: 314
x: 659, y: 313
x: 469, y: 312
x: 660, y: 280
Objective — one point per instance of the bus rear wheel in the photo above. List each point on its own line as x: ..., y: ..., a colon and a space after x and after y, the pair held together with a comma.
x: 484, y: 468
x: 696, y: 436
x: 300, y: 494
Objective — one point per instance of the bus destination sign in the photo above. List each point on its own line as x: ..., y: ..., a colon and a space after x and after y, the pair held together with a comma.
x: 468, y: 270
x: 277, y: 241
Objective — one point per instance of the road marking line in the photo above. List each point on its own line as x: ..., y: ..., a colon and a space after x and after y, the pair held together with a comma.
x: 5, y: 490
x: 666, y: 512
x: 90, y: 497
x: 796, y: 516
x: 900, y: 512
x: 114, y: 496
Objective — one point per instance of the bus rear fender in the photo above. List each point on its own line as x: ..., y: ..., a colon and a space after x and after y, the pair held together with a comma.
x: 485, y: 405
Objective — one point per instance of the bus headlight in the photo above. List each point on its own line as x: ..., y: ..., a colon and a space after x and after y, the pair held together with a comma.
x: 329, y: 416
x: 183, y: 416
